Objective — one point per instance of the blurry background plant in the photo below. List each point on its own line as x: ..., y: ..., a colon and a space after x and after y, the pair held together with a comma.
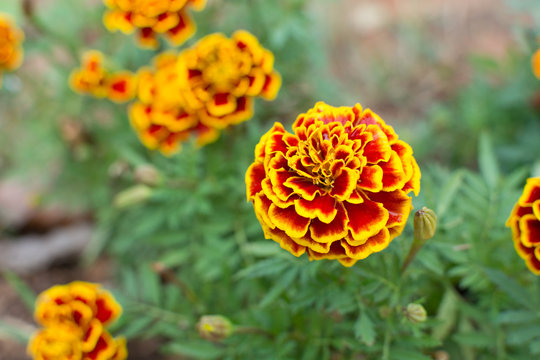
x: 177, y: 238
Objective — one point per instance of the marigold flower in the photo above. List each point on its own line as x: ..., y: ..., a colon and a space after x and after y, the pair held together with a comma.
x: 11, y: 52
x: 224, y: 75
x: 336, y: 187
x: 535, y: 61
x: 93, y: 79
x: 202, y: 90
x: 151, y: 18
x: 61, y: 343
x: 75, y: 316
x: 524, y: 221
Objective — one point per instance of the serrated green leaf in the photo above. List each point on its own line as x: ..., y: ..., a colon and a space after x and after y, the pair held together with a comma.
x: 137, y: 326
x: 487, y: 162
x: 511, y: 288
x: 523, y: 334
x: 195, y: 348
x: 517, y: 317
x: 150, y: 284
x: 364, y: 329
x: 446, y: 314
x: 448, y: 193
x: 281, y: 284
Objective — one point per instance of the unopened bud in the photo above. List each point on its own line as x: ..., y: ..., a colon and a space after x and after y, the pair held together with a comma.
x: 425, y: 224
x: 415, y: 313
x: 385, y: 311
x: 132, y: 196
x: 440, y: 355
x: 147, y: 174
x: 214, y: 327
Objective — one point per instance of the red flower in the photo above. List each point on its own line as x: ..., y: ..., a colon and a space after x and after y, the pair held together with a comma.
x: 337, y: 187
x: 525, y: 224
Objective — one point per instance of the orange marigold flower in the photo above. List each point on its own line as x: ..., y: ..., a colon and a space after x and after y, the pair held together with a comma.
x: 337, y: 187
x: 160, y: 116
x: 93, y: 79
x: 11, y: 52
x: 524, y: 221
x: 75, y: 316
x: 202, y: 90
x: 151, y: 18
x: 536, y: 63
x: 223, y: 76
x: 61, y: 343
x: 78, y: 303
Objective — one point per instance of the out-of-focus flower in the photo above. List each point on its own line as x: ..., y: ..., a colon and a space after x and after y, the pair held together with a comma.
x: 524, y: 221
x: 202, y: 90
x: 535, y: 61
x: 160, y: 116
x: 151, y: 18
x: 77, y: 302
x: 337, y: 187
x: 214, y: 327
x: 63, y: 343
x: 74, y: 317
x: 11, y: 52
x: 223, y: 76
x: 93, y: 79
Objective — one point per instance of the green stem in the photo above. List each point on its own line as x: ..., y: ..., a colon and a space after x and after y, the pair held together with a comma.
x: 387, y: 342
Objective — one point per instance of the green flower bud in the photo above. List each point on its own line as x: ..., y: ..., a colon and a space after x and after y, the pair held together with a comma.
x: 214, y: 327
x: 147, y: 175
x: 440, y: 355
x: 415, y: 313
x: 425, y: 224
x: 132, y: 196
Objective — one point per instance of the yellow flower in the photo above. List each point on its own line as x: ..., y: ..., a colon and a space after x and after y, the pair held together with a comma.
x: 93, y: 79
x: 201, y: 91
x: 223, y: 76
x: 11, y: 52
x: 535, y: 61
x: 151, y: 18
x: 337, y: 187
x: 74, y: 317
x: 524, y: 221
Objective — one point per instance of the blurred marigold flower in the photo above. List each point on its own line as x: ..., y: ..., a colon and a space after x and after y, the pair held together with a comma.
x: 11, y: 52
x: 337, y: 187
x: 535, y: 61
x: 224, y: 74
x: 93, y: 79
x: 74, y: 317
x: 202, y: 90
x: 524, y: 221
x: 151, y: 18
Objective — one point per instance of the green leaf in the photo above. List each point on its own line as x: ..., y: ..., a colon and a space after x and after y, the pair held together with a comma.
x: 523, y: 334
x: 517, y: 317
x: 401, y: 354
x: 511, y: 288
x: 364, y: 329
x: 282, y: 283
x: 535, y: 347
x: 448, y: 193
x: 474, y: 339
x: 28, y: 296
x: 487, y: 162
x: 446, y: 314
x: 150, y: 283
x: 196, y: 348
x: 17, y: 333
x: 137, y: 326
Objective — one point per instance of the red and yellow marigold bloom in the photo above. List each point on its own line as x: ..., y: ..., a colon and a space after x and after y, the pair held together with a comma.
x: 93, y: 79
x: 151, y: 18
x: 525, y: 224
x: 11, y: 52
x: 202, y: 90
x: 60, y: 343
x: 223, y: 76
x: 337, y: 187
x: 74, y: 317
x: 160, y: 116
x: 535, y: 62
